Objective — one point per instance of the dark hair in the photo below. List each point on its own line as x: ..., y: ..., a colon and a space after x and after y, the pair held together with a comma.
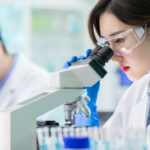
x: 132, y: 12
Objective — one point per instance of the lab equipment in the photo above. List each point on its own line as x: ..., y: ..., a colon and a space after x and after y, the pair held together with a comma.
x: 94, y: 137
x: 55, y: 141
x: 18, y: 123
x: 76, y: 143
x: 135, y: 139
x: 98, y: 52
x: 100, y: 138
x: 148, y: 137
x: 70, y: 109
x: 84, y: 72
x: 125, y: 42
x: 50, y: 123
x: 102, y: 55
x: 43, y: 139
x: 79, y: 118
x: 93, y: 120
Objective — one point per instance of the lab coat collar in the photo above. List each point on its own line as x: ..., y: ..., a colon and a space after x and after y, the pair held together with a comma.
x: 2, y: 84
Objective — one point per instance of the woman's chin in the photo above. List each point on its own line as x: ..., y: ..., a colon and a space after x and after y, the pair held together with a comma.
x: 134, y: 77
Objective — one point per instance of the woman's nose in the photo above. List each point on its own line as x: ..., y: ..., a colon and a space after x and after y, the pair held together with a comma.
x: 116, y: 58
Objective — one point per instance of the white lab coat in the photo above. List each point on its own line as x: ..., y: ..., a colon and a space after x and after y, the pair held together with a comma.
x: 25, y: 80
x: 132, y: 110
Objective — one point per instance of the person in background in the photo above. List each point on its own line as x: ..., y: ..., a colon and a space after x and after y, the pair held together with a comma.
x: 124, y: 26
x: 19, y: 78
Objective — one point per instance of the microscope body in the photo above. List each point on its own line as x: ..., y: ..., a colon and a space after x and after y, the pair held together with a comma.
x: 18, y: 123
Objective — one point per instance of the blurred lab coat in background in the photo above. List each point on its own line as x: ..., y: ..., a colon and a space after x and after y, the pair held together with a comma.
x: 23, y: 80
x: 133, y: 108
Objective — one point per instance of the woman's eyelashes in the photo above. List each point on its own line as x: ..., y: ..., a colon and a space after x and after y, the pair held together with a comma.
x: 120, y: 40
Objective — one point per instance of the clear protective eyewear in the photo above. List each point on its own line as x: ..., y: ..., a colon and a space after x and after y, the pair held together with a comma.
x: 125, y: 42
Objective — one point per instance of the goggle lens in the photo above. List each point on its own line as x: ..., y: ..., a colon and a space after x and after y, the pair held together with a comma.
x: 125, y: 42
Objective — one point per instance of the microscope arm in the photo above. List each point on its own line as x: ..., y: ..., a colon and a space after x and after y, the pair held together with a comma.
x: 18, y: 124
x: 77, y: 76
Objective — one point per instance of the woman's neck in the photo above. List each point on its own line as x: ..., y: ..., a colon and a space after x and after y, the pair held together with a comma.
x: 5, y: 64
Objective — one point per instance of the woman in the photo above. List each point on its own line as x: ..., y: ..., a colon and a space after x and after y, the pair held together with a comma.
x: 124, y: 26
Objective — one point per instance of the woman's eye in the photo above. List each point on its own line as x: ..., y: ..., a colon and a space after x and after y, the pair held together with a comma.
x: 107, y: 43
x: 121, y: 40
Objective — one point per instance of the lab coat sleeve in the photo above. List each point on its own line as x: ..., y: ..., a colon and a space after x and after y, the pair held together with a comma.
x: 34, y: 87
x: 120, y: 117
x: 122, y: 114
x: 35, y: 80
x: 116, y: 120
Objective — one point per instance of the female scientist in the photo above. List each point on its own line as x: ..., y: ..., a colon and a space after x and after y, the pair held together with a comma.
x: 124, y: 26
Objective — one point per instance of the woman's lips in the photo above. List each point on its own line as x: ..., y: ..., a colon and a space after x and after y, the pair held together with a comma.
x: 125, y: 69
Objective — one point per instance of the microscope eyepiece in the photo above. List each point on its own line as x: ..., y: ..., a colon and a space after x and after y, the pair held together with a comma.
x: 99, y: 56
x: 97, y: 59
x: 102, y: 54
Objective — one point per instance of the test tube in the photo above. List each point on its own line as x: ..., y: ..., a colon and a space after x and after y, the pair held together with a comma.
x: 84, y: 131
x: 78, y: 132
x: 135, y: 138
x: 104, y: 143
x: 59, y: 140
x: 47, y: 137
x: 93, y: 136
x: 42, y: 139
x: 71, y: 131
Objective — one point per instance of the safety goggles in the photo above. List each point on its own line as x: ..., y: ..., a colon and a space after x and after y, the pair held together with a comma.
x: 125, y: 42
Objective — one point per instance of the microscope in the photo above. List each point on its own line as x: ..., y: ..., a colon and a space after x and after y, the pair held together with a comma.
x: 18, y: 123
x: 93, y: 64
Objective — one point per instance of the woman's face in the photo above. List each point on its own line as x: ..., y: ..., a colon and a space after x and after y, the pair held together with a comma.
x: 137, y: 63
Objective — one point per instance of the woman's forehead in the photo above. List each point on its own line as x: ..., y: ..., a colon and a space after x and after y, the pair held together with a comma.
x: 111, y: 25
